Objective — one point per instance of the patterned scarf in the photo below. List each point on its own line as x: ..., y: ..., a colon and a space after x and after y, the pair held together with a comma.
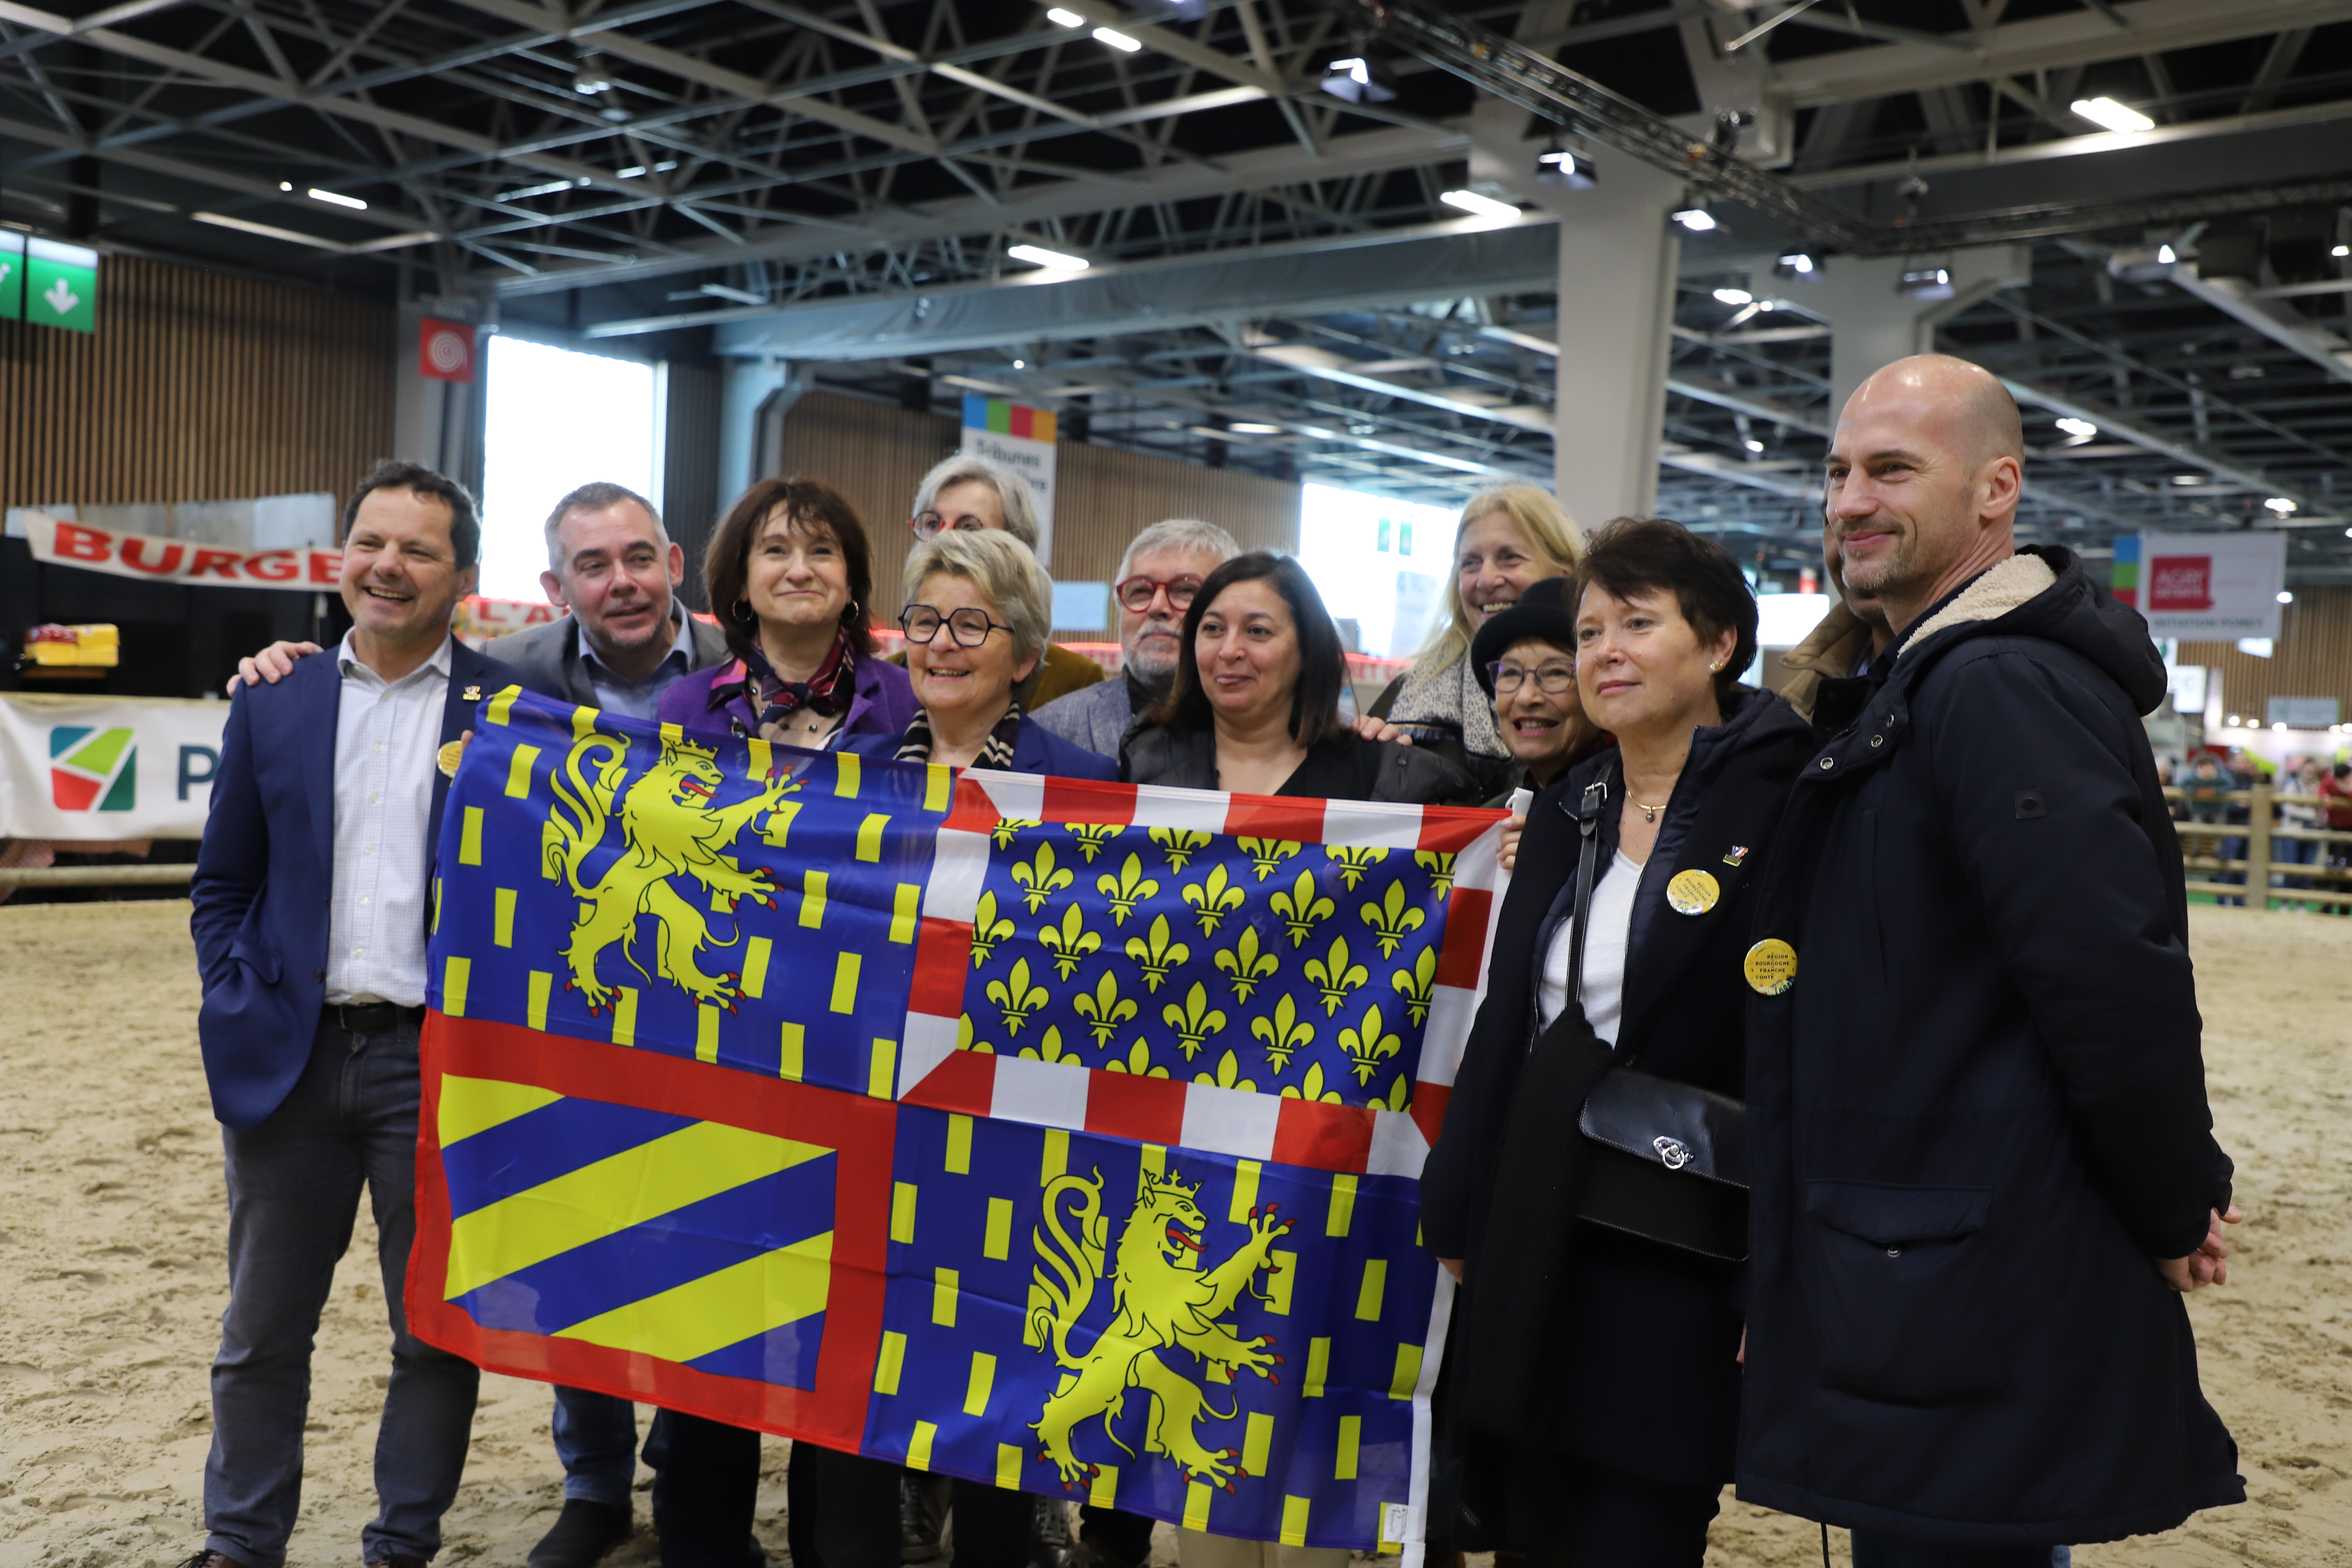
x: 1450, y: 694
x: 997, y: 753
x: 827, y: 691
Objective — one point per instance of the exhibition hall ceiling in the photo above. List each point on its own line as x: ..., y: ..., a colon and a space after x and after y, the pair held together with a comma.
x: 891, y: 197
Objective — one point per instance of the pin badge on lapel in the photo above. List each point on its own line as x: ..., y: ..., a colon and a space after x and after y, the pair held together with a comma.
x: 1738, y: 854
x: 1770, y: 966
x: 471, y: 694
x: 448, y: 758
x: 1693, y: 892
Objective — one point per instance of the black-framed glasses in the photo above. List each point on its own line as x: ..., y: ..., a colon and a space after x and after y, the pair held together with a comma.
x: 1550, y: 679
x: 1137, y: 593
x: 931, y: 524
x: 970, y: 628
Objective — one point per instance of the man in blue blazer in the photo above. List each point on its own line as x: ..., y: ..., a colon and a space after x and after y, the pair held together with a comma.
x: 313, y: 898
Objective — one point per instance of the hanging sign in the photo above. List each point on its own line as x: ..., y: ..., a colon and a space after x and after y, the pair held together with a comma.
x: 12, y: 276
x: 444, y: 351
x: 1021, y: 439
x: 76, y: 768
x: 61, y: 285
x: 58, y: 543
x: 2202, y: 586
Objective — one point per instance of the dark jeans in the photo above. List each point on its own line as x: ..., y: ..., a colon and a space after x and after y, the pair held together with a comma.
x: 841, y: 1510
x: 1612, y: 1520
x: 1872, y: 1550
x: 293, y: 1197
x: 596, y: 1440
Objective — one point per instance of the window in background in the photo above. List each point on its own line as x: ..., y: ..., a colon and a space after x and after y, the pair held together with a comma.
x: 1378, y: 563
x: 556, y: 420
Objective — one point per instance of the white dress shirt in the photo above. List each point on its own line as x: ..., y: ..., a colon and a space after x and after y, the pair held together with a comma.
x: 1602, y: 991
x: 615, y: 693
x: 387, y: 745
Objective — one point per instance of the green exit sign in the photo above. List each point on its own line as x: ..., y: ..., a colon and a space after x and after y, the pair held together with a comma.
x: 61, y: 285
x: 12, y: 275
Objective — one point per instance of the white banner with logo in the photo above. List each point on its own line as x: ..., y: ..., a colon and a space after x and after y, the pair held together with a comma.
x: 107, y: 767
x: 2204, y: 586
x: 1021, y: 439
x: 190, y: 563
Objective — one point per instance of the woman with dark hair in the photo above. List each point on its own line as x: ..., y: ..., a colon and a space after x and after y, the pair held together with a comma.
x: 789, y: 577
x: 1255, y: 705
x: 1596, y: 1345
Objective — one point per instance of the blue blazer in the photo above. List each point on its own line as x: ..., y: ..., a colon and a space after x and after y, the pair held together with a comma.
x: 265, y: 876
x: 1035, y: 750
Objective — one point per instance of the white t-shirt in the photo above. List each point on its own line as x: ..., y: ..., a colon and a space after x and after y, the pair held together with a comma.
x: 1603, y: 988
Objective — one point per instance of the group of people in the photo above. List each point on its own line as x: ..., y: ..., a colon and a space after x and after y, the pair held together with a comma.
x: 2311, y: 794
x: 1919, y: 922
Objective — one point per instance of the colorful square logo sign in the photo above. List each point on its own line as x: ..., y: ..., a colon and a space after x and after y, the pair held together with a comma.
x: 12, y: 276
x: 61, y: 285
x: 93, y: 769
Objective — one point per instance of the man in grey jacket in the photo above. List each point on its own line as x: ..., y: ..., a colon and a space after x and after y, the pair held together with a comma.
x: 1154, y: 588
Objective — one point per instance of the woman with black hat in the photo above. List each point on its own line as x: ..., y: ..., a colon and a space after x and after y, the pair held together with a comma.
x: 1525, y: 658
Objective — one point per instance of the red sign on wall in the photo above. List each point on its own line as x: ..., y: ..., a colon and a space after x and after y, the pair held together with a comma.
x: 444, y: 351
x: 58, y: 543
x: 2180, y: 583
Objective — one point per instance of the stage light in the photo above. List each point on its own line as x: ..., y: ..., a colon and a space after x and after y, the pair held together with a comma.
x: 2078, y: 427
x: 336, y: 198
x: 1052, y: 260
x: 1356, y: 80
x: 1734, y: 297
x: 1118, y: 40
x: 1477, y: 205
x: 2114, y: 116
x: 1061, y: 18
x: 1566, y: 170
x: 1698, y: 220
x: 1926, y: 283
x: 2281, y: 505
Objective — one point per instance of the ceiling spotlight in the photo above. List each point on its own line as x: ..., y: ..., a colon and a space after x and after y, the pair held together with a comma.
x: 1734, y: 297
x: 2081, y: 429
x: 1357, y: 79
x: 285, y: 185
x: 2164, y: 253
x: 2114, y: 116
x: 2341, y: 250
x: 589, y: 77
x: 1564, y: 170
x: 1061, y: 18
x: 1926, y: 283
x: 1252, y: 428
x: 1118, y: 40
x: 1753, y: 444
x: 1698, y: 220
x: 1796, y: 264
x: 335, y: 198
x: 2281, y: 505
x: 1021, y: 364
x: 1052, y: 260
x: 1477, y: 205
x: 2188, y: 479
x: 2284, y: 597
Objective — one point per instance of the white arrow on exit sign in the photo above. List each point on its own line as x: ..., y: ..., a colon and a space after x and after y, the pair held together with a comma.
x: 61, y: 299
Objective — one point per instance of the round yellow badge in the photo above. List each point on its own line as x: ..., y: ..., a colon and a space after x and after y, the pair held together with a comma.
x: 1693, y: 892
x: 448, y: 756
x: 1771, y: 966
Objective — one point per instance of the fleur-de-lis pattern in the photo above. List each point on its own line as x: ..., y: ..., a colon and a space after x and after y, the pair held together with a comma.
x: 1006, y: 830
x: 1198, y: 975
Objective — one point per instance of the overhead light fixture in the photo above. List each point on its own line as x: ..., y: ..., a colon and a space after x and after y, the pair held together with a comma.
x: 1477, y: 205
x: 285, y: 185
x: 2284, y: 597
x: 661, y: 168
x: 1796, y: 264
x: 1753, y: 444
x: 1356, y: 80
x: 1555, y: 166
x: 2114, y: 116
x: 1061, y: 18
x: 2081, y: 429
x: 1118, y: 40
x: 1021, y: 364
x: 1698, y: 220
x: 1926, y: 283
x: 1734, y: 297
x: 2164, y: 253
x: 1052, y: 260
x: 2341, y: 250
x: 336, y: 198
x: 2281, y: 505
x: 1252, y: 428
x: 589, y: 77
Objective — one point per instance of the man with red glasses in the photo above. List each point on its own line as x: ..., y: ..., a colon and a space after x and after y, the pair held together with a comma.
x: 1162, y: 567
x: 970, y: 493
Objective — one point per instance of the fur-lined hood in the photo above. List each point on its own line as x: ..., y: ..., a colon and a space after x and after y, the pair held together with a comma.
x: 2043, y: 592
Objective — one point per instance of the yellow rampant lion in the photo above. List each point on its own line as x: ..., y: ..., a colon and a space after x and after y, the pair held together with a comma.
x: 671, y: 830
x: 1163, y: 1303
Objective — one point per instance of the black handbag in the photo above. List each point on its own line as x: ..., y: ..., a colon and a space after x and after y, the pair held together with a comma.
x: 1664, y: 1160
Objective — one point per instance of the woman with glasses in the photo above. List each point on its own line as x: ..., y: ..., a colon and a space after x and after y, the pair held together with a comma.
x: 1509, y: 538
x: 977, y: 608
x: 1526, y: 660
x: 1592, y: 1386
x: 789, y: 578
x: 1157, y: 579
x: 1254, y: 706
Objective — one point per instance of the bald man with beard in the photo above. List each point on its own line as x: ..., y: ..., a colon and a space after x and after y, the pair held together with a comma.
x: 1984, y: 1168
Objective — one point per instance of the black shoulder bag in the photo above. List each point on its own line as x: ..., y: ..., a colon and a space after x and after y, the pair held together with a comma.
x: 1666, y: 1160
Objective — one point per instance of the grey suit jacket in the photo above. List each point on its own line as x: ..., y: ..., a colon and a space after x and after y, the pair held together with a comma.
x: 551, y: 654
x: 1095, y: 717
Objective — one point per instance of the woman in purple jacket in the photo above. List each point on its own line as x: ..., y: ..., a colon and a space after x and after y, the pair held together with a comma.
x: 790, y: 578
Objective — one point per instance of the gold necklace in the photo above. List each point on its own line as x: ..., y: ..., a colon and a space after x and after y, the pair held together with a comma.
x: 1649, y: 812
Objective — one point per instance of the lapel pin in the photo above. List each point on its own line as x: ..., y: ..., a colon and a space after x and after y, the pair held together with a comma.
x: 1693, y: 892
x: 471, y: 694
x: 1738, y: 854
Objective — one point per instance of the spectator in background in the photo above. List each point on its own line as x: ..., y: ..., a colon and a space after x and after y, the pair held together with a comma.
x: 2335, y: 800
x: 1509, y: 537
x: 968, y: 494
x: 2206, y: 791
x: 1157, y: 578
x: 2299, y: 809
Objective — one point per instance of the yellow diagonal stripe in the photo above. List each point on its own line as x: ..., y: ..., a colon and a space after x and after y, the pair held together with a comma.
x: 844, y: 776
x: 1294, y: 1521
x: 1351, y: 1435
x: 905, y: 905
x: 672, y: 734
x: 902, y: 1212
x: 983, y: 1378
x: 1244, y: 1191
x: 888, y: 1364
x: 869, y: 835
x: 500, y: 705
x: 612, y: 1195
x: 583, y: 719
x: 1343, y: 1206
x: 1008, y: 1467
x: 719, y: 1310
x: 471, y: 1105
x: 938, y: 781
x: 1277, y: 1281
x: 470, y: 848
x: 813, y: 901
x: 624, y: 1015
x: 844, y: 982
x: 502, y: 918
x: 787, y: 1054
x: 1196, y: 1506
x: 959, y: 1160
x: 763, y: 758
x: 518, y: 771
x: 1408, y: 1371
x: 1258, y: 1442
x: 943, y: 1297
x: 1104, y: 1493
x: 755, y: 966
x: 1318, y: 1365
x: 996, y: 1239
x: 1375, y: 1286
x: 918, y: 1446
x: 541, y: 984
x: 706, y: 1034
x: 455, y: 975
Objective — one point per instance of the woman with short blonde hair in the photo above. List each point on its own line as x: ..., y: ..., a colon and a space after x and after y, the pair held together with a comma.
x: 1510, y: 537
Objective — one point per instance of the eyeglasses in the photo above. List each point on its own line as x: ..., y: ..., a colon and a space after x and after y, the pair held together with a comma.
x: 1137, y: 593
x: 1550, y: 679
x: 931, y: 524
x: 968, y: 628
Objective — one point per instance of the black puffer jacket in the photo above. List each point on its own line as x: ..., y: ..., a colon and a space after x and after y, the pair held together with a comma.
x: 1633, y: 1347
x: 1979, y: 1112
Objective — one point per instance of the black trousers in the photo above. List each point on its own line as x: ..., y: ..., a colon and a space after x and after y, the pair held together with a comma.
x: 993, y: 1531
x: 842, y: 1510
x: 1612, y: 1520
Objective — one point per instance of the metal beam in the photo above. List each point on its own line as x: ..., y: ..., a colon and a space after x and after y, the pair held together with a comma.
x: 2113, y: 423
x: 2281, y: 323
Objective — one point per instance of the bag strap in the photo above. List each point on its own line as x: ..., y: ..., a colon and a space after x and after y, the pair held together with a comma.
x: 1588, y: 824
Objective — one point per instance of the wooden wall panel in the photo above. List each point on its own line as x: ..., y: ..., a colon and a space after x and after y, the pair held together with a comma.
x: 2311, y: 655
x: 196, y: 386
x: 689, y: 500
x: 875, y: 455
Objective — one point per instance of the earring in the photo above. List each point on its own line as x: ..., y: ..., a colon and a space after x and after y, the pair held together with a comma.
x: 744, y: 613
x: 1715, y: 669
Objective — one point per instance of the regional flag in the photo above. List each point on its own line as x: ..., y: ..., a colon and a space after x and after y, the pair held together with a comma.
x: 1061, y: 1136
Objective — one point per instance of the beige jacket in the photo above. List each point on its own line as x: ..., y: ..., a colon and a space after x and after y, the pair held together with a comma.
x: 1829, y: 652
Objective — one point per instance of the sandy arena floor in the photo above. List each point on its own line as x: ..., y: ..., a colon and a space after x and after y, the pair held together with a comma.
x: 110, y: 1262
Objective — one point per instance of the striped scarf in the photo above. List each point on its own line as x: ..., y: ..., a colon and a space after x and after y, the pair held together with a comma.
x: 997, y: 753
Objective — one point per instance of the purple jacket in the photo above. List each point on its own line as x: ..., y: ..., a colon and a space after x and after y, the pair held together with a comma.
x: 882, y: 701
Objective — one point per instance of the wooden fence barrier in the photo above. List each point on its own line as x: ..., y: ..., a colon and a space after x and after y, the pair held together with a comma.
x: 2328, y: 880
